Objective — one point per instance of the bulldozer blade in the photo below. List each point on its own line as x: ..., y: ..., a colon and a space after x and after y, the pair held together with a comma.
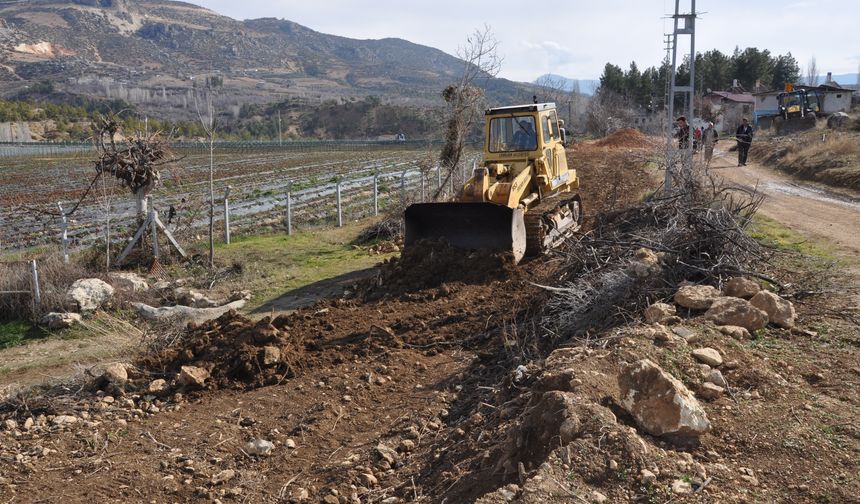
x: 468, y: 226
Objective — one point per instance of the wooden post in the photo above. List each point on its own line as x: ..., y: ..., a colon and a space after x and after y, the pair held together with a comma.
x: 152, y: 217
x: 37, y: 293
x: 289, y: 209
x: 227, y: 216
x: 339, y: 208
x: 376, y: 194
x: 64, y: 232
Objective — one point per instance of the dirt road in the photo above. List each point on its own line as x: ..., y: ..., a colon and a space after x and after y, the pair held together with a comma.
x: 813, y: 211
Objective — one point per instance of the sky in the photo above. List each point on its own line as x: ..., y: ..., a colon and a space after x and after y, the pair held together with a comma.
x: 576, y: 38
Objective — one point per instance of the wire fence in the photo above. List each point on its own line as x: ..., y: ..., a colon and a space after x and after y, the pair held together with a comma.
x: 259, y: 187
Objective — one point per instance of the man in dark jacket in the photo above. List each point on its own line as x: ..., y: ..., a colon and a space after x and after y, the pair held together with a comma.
x: 744, y: 136
x: 683, y: 134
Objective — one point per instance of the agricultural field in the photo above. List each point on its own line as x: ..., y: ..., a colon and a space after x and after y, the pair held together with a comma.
x: 35, y: 180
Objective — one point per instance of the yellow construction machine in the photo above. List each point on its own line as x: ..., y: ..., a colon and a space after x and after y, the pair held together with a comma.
x: 522, y: 198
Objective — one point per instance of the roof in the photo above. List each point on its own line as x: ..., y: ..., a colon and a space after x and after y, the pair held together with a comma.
x: 823, y: 88
x: 529, y: 107
x: 735, y: 97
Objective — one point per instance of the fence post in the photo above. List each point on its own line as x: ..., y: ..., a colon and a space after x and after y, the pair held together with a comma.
x: 64, y: 234
x: 227, y: 215
x: 376, y: 193
x: 423, y: 197
x: 289, y: 209
x: 339, y: 209
x: 37, y: 293
x: 153, y: 214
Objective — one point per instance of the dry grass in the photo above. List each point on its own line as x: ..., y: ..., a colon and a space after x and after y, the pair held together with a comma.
x: 829, y: 157
x: 55, y: 278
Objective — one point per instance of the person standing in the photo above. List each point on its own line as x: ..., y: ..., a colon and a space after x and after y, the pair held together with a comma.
x: 683, y: 134
x: 744, y: 136
x: 710, y: 137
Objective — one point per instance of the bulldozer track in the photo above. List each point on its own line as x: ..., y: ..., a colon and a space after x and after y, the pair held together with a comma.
x: 537, y: 226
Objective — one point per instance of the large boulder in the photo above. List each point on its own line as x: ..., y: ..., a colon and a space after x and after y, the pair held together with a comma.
x: 838, y: 120
x: 131, y: 282
x: 89, y: 294
x: 192, y: 376
x: 737, y: 312
x: 659, y: 402
x: 741, y: 287
x: 55, y: 321
x: 659, y: 312
x: 696, y: 297
x: 115, y: 374
x: 779, y: 311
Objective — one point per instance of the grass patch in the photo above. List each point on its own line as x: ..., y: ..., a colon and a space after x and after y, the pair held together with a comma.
x: 775, y: 234
x: 17, y: 332
x: 275, y: 264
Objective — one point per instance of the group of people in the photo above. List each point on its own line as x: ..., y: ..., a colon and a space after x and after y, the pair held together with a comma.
x: 707, y: 137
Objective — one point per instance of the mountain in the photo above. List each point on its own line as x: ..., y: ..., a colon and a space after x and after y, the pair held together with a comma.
x: 586, y: 86
x: 149, y: 53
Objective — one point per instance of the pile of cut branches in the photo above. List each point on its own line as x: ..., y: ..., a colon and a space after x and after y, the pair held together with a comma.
x: 697, y: 233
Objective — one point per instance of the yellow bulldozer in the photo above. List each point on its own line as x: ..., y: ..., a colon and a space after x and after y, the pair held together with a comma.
x: 523, y: 197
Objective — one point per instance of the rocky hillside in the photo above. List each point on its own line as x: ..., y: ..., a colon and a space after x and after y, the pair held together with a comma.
x: 148, y: 53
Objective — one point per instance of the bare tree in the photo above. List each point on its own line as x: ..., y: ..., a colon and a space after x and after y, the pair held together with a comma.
x: 465, y: 97
x: 812, y: 72
x: 205, y: 94
x: 557, y: 90
x: 607, y: 111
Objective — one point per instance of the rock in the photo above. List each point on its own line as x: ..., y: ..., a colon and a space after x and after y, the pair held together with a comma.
x: 131, y: 282
x: 660, y: 403
x: 223, y: 476
x: 271, y: 355
x: 681, y: 487
x: 55, y: 321
x: 407, y: 445
x: 709, y: 391
x: 709, y: 356
x: 688, y: 334
x: 28, y: 423
x: 696, y: 297
x: 838, y: 120
x: 736, y: 332
x: 331, y: 499
x: 717, y: 378
x: 158, y: 386
x: 10, y: 425
x: 779, y: 311
x: 368, y: 480
x: 259, y: 447
x: 596, y: 496
x: 645, y: 263
x: 62, y: 420
x: 390, y: 500
x: 89, y: 294
x: 182, y: 315
x: 115, y: 374
x: 737, y: 312
x: 658, y: 312
x: 290, y: 444
x: 301, y: 495
x: 192, y: 376
x: 741, y: 287
x: 647, y: 476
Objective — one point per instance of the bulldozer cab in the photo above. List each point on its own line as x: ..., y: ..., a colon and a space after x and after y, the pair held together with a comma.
x: 523, y: 131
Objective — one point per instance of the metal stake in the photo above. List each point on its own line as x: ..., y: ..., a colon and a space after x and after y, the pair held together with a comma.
x: 289, y: 209
x: 339, y: 209
x: 376, y: 194
x: 37, y: 293
x: 64, y: 234
x: 227, y: 215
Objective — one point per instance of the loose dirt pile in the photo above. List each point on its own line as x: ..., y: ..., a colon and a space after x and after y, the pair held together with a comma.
x: 430, y: 263
x: 625, y: 137
x: 234, y: 351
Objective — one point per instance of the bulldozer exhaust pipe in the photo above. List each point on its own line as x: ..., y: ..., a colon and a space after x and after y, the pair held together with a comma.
x: 469, y: 226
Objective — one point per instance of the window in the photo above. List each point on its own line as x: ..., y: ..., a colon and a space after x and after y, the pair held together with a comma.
x: 553, y: 119
x: 512, y: 134
x: 839, y: 96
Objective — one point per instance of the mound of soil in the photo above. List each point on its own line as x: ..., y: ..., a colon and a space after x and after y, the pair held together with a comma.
x: 431, y: 263
x: 236, y: 351
x: 625, y: 137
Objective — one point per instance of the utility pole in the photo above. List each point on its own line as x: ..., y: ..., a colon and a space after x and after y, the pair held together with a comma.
x: 684, y: 24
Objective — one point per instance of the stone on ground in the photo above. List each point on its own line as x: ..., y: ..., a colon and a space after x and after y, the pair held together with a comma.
x: 56, y: 321
x: 737, y: 312
x: 708, y: 356
x: 696, y: 297
x: 709, y: 391
x: 115, y: 374
x: 741, y: 287
x: 89, y: 294
x: 192, y: 376
x: 658, y: 312
x: 259, y: 447
x: 131, y: 282
x: 736, y: 332
x: 779, y: 311
x: 659, y: 402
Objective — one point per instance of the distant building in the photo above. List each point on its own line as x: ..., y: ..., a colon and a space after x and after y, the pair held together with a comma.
x: 729, y: 107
